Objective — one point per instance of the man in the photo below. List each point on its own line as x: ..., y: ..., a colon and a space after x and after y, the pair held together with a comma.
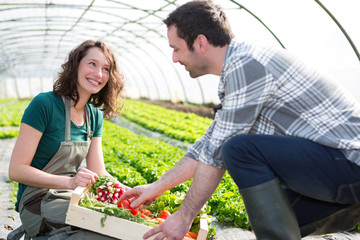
x: 288, y: 136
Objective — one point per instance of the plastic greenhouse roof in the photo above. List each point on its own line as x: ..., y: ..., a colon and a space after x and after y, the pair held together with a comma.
x: 37, y: 35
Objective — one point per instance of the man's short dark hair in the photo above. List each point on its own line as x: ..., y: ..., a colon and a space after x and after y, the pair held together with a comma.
x: 201, y: 17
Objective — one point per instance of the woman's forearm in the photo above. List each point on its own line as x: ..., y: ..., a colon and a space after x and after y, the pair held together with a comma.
x: 37, y: 178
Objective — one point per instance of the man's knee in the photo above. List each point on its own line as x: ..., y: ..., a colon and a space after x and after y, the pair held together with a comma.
x: 244, y: 161
x: 236, y: 148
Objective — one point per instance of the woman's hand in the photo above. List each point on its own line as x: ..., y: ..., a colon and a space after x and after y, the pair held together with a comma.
x: 83, y: 178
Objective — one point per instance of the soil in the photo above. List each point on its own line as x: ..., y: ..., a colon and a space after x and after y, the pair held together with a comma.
x: 203, y: 111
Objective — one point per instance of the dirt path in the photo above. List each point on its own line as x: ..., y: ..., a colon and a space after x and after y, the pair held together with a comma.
x: 10, y: 218
x: 203, y: 111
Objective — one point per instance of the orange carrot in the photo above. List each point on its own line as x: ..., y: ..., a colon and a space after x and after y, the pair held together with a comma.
x: 160, y: 220
x: 191, y: 235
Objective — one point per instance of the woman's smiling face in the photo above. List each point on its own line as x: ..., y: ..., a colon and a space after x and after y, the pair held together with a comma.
x: 93, y: 72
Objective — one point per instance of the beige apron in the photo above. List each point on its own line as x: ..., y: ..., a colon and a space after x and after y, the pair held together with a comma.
x: 43, y: 211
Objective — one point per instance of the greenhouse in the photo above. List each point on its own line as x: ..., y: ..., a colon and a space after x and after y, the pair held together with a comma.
x: 165, y: 110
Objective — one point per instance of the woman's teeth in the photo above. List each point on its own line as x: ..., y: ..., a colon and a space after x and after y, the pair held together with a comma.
x: 93, y: 82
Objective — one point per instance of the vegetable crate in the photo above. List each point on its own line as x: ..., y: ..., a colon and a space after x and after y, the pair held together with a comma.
x: 109, y: 225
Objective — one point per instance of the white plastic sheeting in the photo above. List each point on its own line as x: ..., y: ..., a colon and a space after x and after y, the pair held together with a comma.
x: 37, y: 36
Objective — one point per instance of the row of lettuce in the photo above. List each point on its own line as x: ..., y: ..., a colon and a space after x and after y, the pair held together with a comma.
x: 136, y: 159
x: 186, y: 127
x: 11, y: 112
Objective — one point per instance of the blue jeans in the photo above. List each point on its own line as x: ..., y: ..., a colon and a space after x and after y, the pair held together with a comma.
x: 318, y: 180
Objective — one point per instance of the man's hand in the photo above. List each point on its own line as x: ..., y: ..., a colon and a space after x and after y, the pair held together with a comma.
x: 141, y: 195
x: 146, y: 194
x: 175, y: 227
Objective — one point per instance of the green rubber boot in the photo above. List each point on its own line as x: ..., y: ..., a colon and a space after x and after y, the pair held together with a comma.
x: 270, y: 213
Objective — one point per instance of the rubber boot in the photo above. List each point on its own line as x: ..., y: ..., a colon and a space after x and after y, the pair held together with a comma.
x: 270, y: 213
x: 345, y: 219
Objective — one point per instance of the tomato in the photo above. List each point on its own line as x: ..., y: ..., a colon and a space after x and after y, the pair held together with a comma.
x: 124, y: 204
x: 146, y: 211
x: 164, y: 214
x: 134, y: 212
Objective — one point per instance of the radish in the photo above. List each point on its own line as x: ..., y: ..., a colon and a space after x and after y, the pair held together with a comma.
x: 114, y: 200
x: 108, y: 191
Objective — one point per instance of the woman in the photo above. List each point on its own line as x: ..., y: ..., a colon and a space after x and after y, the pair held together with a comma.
x: 58, y: 130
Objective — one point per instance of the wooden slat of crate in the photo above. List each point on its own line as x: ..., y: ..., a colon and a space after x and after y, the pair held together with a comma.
x: 113, y: 226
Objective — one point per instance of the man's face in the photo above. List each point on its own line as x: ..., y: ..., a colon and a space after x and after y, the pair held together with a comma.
x: 181, y: 53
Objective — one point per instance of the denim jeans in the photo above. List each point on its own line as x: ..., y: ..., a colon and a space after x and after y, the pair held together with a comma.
x: 319, y: 180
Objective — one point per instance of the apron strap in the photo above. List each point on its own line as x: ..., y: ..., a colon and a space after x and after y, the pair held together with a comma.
x: 67, y: 119
x: 89, y: 133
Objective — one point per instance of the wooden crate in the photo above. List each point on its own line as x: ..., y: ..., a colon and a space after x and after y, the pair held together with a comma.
x: 113, y: 226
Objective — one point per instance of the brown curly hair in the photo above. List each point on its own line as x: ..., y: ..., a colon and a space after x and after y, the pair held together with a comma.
x: 109, y: 98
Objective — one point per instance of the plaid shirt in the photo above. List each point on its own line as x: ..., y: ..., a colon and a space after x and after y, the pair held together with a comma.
x: 266, y: 91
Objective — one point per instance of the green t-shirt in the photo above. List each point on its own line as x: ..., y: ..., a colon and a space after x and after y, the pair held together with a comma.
x: 46, y: 113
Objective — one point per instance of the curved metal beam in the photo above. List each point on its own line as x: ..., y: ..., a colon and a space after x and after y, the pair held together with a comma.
x: 341, y: 28
x: 91, y: 8
x: 259, y: 20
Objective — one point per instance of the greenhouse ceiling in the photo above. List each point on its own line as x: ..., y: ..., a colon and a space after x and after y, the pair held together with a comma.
x: 36, y: 37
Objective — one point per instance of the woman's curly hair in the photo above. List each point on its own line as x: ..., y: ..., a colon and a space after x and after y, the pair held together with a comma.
x: 109, y: 98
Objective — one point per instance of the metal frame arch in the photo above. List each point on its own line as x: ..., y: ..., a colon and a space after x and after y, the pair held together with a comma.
x: 142, y: 77
x: 137, y: 36
x: 131, y: 76
x: 147, y: 54
x: 148, y: 76
x: 342, y: 29
x: 51, y: 27
x: 259, y: 20
x: 148, y: 13
x: 172, y: 66
x: 145, y: 67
